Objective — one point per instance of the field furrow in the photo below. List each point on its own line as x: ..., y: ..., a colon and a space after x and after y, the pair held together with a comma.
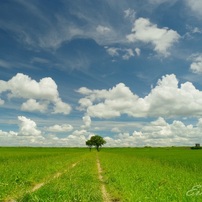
x: 105, y: 194
x: 132, y: 177
x: 113, y: 174
x: 25, y: 169
x: 79, y: 183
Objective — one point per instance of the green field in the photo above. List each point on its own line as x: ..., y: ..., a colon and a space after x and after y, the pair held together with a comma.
x: 113, y: 174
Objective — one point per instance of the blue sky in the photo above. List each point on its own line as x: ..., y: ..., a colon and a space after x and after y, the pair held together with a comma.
x: 127, y: 70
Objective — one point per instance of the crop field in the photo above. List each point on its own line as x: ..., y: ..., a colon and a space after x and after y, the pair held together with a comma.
x: 113, y: 174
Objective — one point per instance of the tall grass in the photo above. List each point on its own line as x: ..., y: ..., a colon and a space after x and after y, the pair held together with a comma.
x: 77, y: 184
x: 129, y: 174
x: 22, y: 168
x: 152, y: 174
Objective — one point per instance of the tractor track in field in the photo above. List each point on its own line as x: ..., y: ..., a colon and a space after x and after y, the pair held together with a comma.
x: 57, y: 175
x: 105, y: 194
x: 41, y: 184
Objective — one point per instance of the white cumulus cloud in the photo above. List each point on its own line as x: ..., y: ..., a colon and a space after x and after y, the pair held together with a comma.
x: 60, y: 128
x: 7, y: 134
x: 161, y: 38
x: 61, y: 107
x: 45, y: 91
x: 33, y: 105
x: 28, y: 127
x: 155, y: 133
x: 159, y: 133
x: 196, y: 65
x: 86, y: 121
x: 167, y: 98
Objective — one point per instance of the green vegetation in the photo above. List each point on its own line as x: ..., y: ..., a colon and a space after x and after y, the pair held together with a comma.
x: 79, y: 183
x: 153, y: 174
x: 96, y: 141
x: 23, y: 168
x: 128, y: 174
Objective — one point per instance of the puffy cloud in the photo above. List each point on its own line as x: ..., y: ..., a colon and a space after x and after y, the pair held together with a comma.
x: 61, y: 107
x: 196, y: 65
x: 28, y: 127
x: 8, y: 138
x: 115, y: 130
x: 28, y: 134
x: 116, y: 100
x: 161, y: 38
x: 77, y: 138
x: 84, y: 91
x: 7, y: 134
x: 86, y: 121
x: 166, y: 99
x: 84, y: 103
x: 60, y: 128
x: 22, y: 86
x: 33, y: 105
x: 155, y: 133
x: 159, y: 133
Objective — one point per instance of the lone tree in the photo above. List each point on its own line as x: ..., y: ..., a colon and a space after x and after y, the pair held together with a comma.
x: 89, y: 144
x: 96, y: 141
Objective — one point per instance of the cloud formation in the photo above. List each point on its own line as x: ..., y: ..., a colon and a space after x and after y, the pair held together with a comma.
x: 155, y: 133
x: 86, y: 121
x: 38, y: 94
x: 159, y: 133
x: 28, y: 127
x: 124, y: 53
x: 196, y: 65
x: 60, y: 128
x: 167, y: 99
x: 32, y: 105
x: 161, y: 38
x: 130, y: 14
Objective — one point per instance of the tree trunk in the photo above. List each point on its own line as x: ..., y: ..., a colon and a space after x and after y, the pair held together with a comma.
x: 97, y: 148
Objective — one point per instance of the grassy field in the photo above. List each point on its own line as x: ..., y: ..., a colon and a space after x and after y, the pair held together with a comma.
x: 114, y: 174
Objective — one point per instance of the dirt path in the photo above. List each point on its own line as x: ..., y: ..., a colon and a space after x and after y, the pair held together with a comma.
x: 105, y: 195
x: 39, y: 185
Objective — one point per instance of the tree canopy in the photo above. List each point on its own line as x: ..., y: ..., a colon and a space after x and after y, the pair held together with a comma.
x: 96, y: 141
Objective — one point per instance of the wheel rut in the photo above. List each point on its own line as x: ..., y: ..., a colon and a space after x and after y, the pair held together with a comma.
x: 56, y: 175
x: 41, y: 184
x: 105, y: 194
